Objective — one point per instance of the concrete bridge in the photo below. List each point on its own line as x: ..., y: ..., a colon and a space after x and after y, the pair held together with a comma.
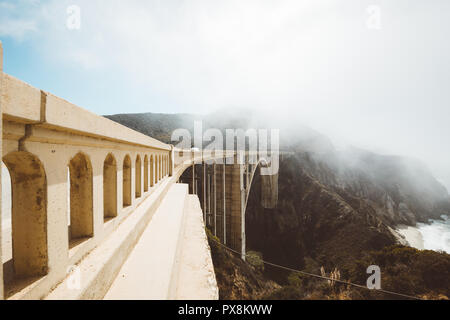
x: 101, y: 211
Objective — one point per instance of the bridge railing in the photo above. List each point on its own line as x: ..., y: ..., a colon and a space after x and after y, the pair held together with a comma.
x: 75, y: 176
x: 190, y: 156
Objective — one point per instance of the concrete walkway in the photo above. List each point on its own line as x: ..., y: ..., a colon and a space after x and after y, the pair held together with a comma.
x: 147, y: 273
x: 196, y: 277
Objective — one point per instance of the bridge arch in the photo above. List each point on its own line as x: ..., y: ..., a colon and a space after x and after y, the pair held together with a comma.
x: 109, y: 187
x: 258, y: 202
x: 28, y: 214
x: 249, y: 176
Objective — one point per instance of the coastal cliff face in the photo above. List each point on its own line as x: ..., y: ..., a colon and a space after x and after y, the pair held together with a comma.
x: 326, y: 225
x: 312, y: 220
x: 400, y: 190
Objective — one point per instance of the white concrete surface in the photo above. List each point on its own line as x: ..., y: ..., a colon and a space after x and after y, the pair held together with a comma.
x: 148, y: 271
x: 196, y: 278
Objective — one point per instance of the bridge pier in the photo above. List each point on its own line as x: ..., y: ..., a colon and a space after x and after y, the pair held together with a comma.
x: 223, y: 199
x: 234, y: 207
x: 208, y: 195
x: 221, y: 202
x: 214, y: 197
x: 194, y: 181
x: 204, y: 177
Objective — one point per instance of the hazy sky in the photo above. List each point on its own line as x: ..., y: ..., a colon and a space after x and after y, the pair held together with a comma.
x: 383, y: 84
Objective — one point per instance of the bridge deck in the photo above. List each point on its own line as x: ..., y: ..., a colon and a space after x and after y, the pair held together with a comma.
x: 159, y: 267
x: 147, y: 273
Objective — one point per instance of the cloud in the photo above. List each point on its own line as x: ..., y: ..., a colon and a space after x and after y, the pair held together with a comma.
x: 315, y: 61
x: 16, y: 19
x: 16, y: 29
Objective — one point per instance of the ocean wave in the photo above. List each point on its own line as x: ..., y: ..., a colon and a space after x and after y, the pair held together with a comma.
x: 436, y: 235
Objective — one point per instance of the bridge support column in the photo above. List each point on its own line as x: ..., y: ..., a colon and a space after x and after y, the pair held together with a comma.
x: 208, y: 195
x: 235, y: 202
x: 204, y: 176
x: 221, y: 202
x: 194, y: 190
x: 224, y: 204
x: 214, y: 196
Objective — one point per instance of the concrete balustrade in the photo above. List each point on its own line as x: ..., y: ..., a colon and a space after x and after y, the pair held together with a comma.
x: 74, y: 177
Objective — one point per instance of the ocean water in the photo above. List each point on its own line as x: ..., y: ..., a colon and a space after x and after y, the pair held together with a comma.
x: 436, y: 235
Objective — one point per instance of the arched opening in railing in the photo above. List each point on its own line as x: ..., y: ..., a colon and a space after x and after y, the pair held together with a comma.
x: 137, y: 170
x: 126, y: 190
x: 152, y: 172
x: 157, y: 166
x: 6, y: 239
x: 28, y: 256
x: 160, y: 167
x: 109, y: 187
x: 145, y: 173
x: 167, y: 165
x: 81, y: 200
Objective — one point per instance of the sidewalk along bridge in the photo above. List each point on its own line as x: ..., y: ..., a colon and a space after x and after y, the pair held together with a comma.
x: 101, y: 211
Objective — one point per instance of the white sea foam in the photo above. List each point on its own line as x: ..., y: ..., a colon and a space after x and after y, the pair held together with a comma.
x: 436, y: 236
x: 431, y: 236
